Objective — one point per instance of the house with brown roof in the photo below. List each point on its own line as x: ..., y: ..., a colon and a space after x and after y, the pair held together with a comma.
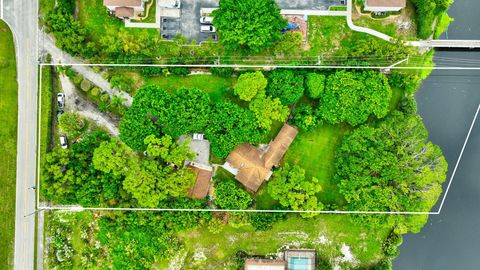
x: 125, y: 8
x: 384, y: 5
x: 252, y: 166
x: 200, y: 165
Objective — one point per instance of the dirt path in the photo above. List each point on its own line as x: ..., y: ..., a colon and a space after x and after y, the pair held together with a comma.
x: 58, y: 56
x: 75, y: 103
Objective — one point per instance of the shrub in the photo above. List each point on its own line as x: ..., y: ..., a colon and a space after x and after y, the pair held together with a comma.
x: 289, y: 43
x: 85, y: 85
x: 228, y: 195
x: 222, y: 72
x: 315, y: 85
x: 78, y: 79
x: 95, y: 91
x: 122, y: 82
x: 215, y: 226
x: 180, y: 71
x: 152, y: 71
x: 264, y: 221
x: 105, y: 97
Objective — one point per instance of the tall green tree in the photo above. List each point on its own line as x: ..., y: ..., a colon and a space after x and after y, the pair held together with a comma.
x: 249, y: 84
x: 72, y: 124
x: 390, y: 166
x: 287, y: 85
x: 353, y: 97
x: 231, y: 125
x: 291, y: 188
x: 168, y: 150
x: 248, y: 25
x: 267, y: 109
x: 315, y: 85
x: 114, y: 157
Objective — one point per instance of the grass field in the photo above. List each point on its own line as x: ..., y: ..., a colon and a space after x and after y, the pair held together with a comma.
x: 315, y: 152
x: 325, y: 233
x: 218, y: 87
x: 8, y: 144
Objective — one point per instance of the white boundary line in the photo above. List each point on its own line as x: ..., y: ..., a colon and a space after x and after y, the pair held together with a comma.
x: 260, y: 66
x: 459, y: 158
x: 74, y: 208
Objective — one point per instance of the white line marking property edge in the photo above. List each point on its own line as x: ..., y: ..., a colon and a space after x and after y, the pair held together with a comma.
x: 459, y: 158
x: 75, y: 208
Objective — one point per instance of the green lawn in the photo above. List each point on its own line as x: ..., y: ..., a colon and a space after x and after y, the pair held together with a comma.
x: 93, y: 15
x: 325, y: 233
x: 219, y: 88
x: 8, y: 144
x: 151, y: 18
x: 315, y: 152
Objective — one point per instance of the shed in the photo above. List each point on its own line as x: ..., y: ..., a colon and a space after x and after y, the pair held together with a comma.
x: 264, y: 264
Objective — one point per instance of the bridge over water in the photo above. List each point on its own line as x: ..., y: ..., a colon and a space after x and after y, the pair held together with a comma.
x: 446, y: 43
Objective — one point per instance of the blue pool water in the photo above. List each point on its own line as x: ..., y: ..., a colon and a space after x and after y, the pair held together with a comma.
x: 298, y: 263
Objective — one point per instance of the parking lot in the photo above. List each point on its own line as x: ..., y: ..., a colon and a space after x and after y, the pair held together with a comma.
x: 190, y: 12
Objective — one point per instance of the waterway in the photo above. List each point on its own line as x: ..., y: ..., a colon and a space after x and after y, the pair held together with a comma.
x: 447, y: 101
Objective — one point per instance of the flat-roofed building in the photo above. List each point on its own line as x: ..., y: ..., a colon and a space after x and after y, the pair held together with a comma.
x: 384, y: 5
x: 265, y: 264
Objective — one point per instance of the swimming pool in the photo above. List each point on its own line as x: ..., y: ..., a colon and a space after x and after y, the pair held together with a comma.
x: 299, y: 263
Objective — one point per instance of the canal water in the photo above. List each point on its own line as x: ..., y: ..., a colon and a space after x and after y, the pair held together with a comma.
x: 447, y: 101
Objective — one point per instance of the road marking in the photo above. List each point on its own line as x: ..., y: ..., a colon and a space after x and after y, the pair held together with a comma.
x: 459, y: 158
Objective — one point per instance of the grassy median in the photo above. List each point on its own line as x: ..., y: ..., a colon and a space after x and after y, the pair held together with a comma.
x: 8, y: 144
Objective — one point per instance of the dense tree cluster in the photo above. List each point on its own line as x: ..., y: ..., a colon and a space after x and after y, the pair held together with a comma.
x: 70, y: 177
x: 292, y: 189
x: 155, y: 112
x: 353, y: 97
x: 70, y: 35
x: 248, y: 25
x: 390, y: 166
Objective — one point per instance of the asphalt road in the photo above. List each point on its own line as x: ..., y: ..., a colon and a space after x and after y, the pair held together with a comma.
x: 22, y: 16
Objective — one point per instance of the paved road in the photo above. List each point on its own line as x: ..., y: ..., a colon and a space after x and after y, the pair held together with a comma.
x: 21, y: 15
x: 58, y: 56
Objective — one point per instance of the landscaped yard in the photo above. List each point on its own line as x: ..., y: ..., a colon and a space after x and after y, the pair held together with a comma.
x: 325, y: 233
x: 94, y: 17
x: 8, y: 144
x: 315, y: 152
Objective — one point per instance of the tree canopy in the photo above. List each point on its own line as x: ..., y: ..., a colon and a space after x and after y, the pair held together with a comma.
x: 248, y: 25
x: 231, y: 125
x: 287, y: 85
x: 267, y: 109
x: 352, y: 97
x: 249, y: 84
x: 390, y: 166
x: 168, y: 150
x: 291, y: 188
x: 315, y: 85
x: 72, y: 124
x: 228, y: 195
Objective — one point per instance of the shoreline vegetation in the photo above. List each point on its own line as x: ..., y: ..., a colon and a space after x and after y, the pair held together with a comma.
x: 351, y: 152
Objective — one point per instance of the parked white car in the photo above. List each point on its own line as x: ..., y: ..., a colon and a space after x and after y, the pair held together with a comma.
x: 208, y: 29
x: 61, y: 100
x: 63, y: 142
x: 206, y: 20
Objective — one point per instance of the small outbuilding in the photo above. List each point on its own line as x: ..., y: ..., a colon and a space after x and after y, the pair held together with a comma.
x: 125, y: 8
